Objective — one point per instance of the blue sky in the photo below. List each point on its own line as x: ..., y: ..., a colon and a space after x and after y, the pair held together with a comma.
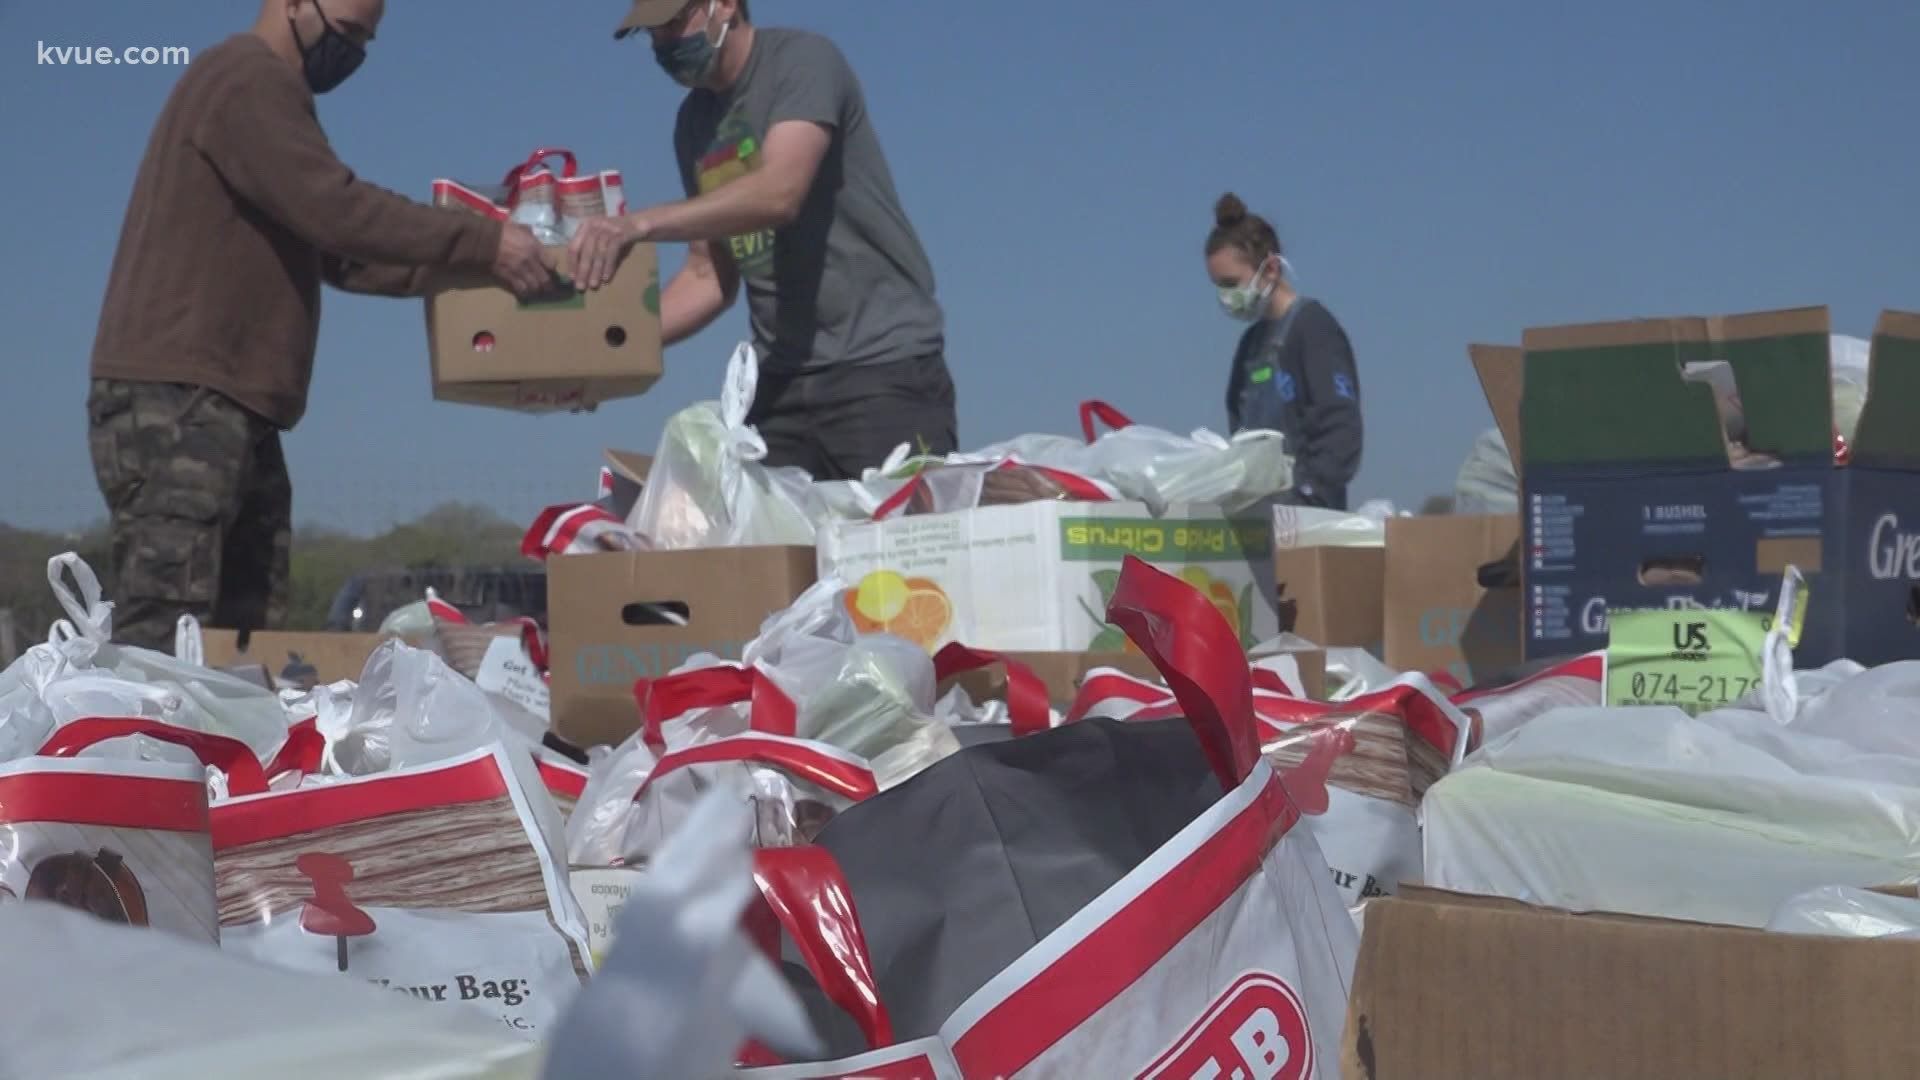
x: 1441, y: 173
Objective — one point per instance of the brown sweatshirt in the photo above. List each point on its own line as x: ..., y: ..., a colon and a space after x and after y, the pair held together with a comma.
x: 239, y: 212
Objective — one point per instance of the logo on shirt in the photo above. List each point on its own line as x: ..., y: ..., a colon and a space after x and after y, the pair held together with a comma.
x: 1288, y: 391
x: 1261, y: 375
x: 734, y: 153
x: 1343, y: 385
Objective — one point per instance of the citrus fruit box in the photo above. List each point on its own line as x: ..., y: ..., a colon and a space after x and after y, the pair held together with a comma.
x: 1036, y: 577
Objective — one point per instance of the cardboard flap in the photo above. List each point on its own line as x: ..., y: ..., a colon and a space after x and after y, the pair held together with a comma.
x: 1499, y: 368
x: 629, y: 465
x: 1497, y: 991
x: 1889, y: 432
x: 1620, y: 394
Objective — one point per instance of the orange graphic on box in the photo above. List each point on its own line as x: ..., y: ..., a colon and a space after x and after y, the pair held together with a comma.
x: 916, y: 609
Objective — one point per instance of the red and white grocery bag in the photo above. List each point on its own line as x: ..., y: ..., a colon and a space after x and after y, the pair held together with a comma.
x: 124, y: 839
x: 532, y: 194
x: 1101, y: 899
x: 1357, y: 769
x: 445, y: 882
x: 1576, y: 683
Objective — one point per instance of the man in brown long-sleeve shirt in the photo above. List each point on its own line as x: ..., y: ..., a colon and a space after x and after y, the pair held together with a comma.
x: 206, y: 341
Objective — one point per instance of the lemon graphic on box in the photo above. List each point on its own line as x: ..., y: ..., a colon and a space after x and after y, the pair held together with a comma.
x: 913, y: 608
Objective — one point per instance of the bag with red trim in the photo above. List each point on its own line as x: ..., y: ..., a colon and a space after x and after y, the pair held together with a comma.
x: 446, y: 882
x: 1097, y: 899
x: 552, y: 205
x: 1568, y: 684
x: 1357, y: 769
x: 127, y: 841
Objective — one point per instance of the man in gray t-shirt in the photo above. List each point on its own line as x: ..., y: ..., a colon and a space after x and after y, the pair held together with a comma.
x: 789, y: 192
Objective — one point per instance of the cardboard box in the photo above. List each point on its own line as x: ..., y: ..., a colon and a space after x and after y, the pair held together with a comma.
x: 1643, y: 487
x: 1474, y: 988
x: 619, y: 617
x: 1064, y: 672
x: 571, y: 349
x: 1333, y: 596
x: 292, y: 659
x: 1036, y: 577
x: 630, y: 471
x: 1438, y: 616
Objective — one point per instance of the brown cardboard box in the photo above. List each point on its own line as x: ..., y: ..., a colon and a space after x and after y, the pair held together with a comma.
x: 606, y: 631
x: 292, y: 658
x: 630, y: 471
x: 574, y: 349
x: 1332, y: 596
x: 1062, y: 672
x: 1437, y: 615
x: 1474, y: 988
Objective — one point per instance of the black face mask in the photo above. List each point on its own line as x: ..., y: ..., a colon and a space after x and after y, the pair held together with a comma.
x: 328, y: 61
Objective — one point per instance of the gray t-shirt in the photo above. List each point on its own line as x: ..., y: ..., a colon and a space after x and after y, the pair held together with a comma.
x: 847, y: 282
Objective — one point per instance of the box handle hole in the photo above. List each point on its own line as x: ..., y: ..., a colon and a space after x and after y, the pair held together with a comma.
x: 483, y: 341
x: 616, y: 336
x: 655, y: 613
x: 1674, y: 570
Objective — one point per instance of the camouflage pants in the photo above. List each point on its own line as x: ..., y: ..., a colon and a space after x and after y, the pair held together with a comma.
x: 201, y: 509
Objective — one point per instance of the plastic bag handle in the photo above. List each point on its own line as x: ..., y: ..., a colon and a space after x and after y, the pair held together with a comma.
x: 230, y: 756
x: 569, y: 168
x: 1104, y: 413
x: 828, y: 772
x: 301, y: 753
x: 770, y: 710
x: 1199, y: 656
x: 899, y: 498
x: 1028, y: 706
x: 806, y: 892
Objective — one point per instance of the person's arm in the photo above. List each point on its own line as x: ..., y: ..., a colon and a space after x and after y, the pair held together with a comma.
x: 695, y: 297
x: 811, y: 98
x: 265, y: 143
x: 376, y: 279
x: 1236, y: 383
x: 1333, y: 435
x: 769, y: 197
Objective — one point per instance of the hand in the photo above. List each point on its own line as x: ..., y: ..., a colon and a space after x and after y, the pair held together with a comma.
x: 521, y: 262
x: 598, y: 245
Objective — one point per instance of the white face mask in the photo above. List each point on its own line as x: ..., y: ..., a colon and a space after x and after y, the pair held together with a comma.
x: 1249, y: 301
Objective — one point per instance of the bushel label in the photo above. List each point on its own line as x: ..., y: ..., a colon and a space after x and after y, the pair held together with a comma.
x: 1257, y: 1030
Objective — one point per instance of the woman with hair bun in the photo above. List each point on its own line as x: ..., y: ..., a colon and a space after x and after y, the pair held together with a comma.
x: 1293, y: 371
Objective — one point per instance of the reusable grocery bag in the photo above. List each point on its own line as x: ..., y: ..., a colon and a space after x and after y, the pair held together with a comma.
x: 125, y: 840
x: 445, y: 882
x: 1098, y: 899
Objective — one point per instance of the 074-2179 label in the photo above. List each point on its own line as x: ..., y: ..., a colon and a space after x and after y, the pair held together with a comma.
x: 1696, y: 659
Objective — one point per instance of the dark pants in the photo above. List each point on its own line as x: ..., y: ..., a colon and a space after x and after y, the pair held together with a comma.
x: 200, y: 506
x: 838, y: 421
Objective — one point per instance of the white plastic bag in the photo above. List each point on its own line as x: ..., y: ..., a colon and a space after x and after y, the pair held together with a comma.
x: 708, y: 487
x: 80, y: 673
x: 1849, y: 359
x: 1717, y: 818
x: 410, y: 709
x: 1840, y: 911
x: 1308, y: 526
x: 683, y: 985
x: 183, y: 1011
x: 1487, y: 483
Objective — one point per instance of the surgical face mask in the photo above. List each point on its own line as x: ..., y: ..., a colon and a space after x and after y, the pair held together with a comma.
x: 1249, y: 301
x: 689, y: 59
x: 330, y: 59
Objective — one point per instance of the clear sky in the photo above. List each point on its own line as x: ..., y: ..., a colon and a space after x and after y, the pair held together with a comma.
x: 1440, y: 173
